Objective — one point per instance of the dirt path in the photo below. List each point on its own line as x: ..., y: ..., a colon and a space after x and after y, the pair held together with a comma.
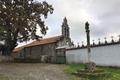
x: 37, y: 71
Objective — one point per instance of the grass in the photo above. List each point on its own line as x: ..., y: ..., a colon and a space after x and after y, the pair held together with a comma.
x: 2, y: 77
x: 110, y: 73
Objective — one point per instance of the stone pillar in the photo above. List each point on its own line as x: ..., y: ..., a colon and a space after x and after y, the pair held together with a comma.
x: 88, y: 40
x: 90, y: 66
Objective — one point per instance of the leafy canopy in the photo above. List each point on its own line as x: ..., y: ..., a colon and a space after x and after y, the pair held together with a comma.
x: 19, y: 18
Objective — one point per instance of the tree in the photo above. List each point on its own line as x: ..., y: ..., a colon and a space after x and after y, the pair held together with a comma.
x: 19, y: 20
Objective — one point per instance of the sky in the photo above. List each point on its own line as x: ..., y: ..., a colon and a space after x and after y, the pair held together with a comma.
x: 102, y: 15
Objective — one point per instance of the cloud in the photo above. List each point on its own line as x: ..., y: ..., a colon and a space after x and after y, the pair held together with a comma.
x: 103, y: 16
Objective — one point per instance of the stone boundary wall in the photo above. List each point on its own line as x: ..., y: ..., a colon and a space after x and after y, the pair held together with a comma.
x: 107, y: 55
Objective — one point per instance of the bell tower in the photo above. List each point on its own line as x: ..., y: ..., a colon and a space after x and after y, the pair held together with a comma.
x: 65, y: 29
x: 66, y: 32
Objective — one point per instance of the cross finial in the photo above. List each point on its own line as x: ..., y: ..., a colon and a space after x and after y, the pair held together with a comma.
x: 82, y: 43
x: 105, y: 40
x: 78, y: 45
x: 93, y: 42
x: 99, y: 41
x: 112, y: 39
x: 87, y: 26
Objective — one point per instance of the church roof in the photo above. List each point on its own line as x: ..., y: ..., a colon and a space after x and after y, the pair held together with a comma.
x: 45, y: 41
x: 18, y: 49
x: 40, y: 42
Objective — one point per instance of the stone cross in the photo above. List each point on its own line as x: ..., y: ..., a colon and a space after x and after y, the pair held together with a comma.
x: 90, y: 66
x: 88, y: 36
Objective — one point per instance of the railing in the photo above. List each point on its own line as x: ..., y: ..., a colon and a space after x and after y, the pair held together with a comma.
x: 98, y: 43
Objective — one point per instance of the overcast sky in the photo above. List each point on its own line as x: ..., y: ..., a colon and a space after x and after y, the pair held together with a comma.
x: 103, y: 16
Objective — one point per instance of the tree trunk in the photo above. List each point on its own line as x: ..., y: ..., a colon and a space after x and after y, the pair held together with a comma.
x: 10, y: 42
x: 9, y: 47
x: 7, y: 50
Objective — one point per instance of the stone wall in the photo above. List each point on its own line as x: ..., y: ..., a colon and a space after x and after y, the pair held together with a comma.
x: 36, y: 52
x: 108, y: 55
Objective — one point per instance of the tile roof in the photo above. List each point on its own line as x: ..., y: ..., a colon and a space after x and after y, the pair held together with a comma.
x: 40, y: 42
x: 18, y: 48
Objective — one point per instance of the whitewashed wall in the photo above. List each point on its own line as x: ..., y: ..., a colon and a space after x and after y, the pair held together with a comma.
x: 105, y: 55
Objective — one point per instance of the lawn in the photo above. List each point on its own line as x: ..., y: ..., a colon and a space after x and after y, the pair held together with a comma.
x: 110, y: 73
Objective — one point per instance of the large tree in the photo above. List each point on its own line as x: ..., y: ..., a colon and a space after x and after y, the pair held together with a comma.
x: 19, y: 20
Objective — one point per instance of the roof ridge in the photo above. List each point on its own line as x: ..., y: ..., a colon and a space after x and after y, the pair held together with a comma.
x: 40, y: 42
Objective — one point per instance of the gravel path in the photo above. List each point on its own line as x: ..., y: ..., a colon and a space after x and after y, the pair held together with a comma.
x: 27, y: 71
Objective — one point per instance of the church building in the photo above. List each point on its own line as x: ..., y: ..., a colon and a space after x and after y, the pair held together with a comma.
x: 47, y: 47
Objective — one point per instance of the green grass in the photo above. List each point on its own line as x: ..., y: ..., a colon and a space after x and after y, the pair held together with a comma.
x: 2, y: 77
x: 110, y: 73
